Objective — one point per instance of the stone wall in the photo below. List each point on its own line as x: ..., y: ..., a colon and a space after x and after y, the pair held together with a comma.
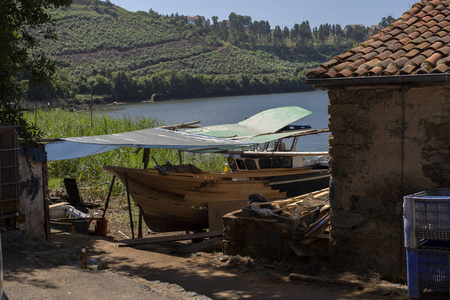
x: 385, y: 142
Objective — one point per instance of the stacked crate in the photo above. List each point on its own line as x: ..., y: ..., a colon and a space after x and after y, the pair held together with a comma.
x: 426, y: 217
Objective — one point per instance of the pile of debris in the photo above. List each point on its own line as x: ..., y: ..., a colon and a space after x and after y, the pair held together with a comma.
x: 308, y: 217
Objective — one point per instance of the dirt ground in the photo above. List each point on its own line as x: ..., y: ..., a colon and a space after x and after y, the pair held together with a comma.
x: 40, y: 270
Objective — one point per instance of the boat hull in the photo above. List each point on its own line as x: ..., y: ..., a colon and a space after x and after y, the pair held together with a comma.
x: 179, y: 201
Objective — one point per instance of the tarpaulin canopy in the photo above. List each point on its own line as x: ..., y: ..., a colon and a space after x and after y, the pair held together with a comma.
x: 265, y: 122
x: 259, y: 128
x: 75, y: 147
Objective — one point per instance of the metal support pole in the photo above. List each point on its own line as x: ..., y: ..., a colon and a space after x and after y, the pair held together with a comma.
x: 140, y: 235
x: 180, y: 157
x: 129, y: 206
x: 109, y: 196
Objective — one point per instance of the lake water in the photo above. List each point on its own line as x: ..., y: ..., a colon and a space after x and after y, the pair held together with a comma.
x: 223, y: 110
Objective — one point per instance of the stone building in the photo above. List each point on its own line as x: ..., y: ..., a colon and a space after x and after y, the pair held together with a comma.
x: 390, y: 134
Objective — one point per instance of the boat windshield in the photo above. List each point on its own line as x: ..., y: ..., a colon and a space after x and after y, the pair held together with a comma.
x: 286, y: 144
x: 261, y: 147
x: 271, y: 146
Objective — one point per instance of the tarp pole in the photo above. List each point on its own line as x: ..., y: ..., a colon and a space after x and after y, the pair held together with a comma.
x: 129, y: 206
x: 109, y: 196
x: 180, y: 157
x: 140, y: 235
x: 146, y: 157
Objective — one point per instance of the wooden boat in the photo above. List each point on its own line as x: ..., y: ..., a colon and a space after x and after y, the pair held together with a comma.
x: 187, y: 201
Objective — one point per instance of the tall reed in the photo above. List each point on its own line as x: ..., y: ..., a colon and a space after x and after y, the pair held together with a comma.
x: 88, y: 170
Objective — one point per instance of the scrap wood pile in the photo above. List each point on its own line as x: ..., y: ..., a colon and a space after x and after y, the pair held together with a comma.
x: 308, y: 217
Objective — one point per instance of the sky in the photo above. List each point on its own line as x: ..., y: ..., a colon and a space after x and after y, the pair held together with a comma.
x: 280, y: 12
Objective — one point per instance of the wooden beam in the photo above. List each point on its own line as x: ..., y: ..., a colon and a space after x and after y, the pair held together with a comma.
x: 172, y: 238
x: 209, y: 244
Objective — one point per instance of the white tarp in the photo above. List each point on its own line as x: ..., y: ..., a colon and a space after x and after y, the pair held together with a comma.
x: 75, y: 147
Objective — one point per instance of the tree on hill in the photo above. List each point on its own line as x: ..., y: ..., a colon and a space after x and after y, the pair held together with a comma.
x: 386, y: 21
x: 18, y: 19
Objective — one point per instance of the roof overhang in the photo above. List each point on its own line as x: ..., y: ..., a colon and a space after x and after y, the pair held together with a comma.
x: 379, y: 80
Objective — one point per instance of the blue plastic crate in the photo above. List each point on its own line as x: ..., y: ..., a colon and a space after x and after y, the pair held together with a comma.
x: 426, y: 215
x: 428, y: 272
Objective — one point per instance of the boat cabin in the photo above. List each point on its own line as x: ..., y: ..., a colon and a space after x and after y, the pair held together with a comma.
x: 275, y: 154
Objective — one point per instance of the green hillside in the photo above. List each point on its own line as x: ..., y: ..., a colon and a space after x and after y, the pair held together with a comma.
x: 124, y: 56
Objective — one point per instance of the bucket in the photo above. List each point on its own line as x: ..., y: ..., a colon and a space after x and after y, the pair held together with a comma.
x: 101, y: 227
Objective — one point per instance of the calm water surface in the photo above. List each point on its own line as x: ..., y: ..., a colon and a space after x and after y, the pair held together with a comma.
x: 223, y: 110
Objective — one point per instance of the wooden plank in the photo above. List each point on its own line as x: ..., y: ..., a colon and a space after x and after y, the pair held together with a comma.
x: 209, y: 244
x: 216, y: 210
x: 58, y: 204
x: 172, y: 238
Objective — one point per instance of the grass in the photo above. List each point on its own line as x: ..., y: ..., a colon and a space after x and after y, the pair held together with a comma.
x: 88, y: 170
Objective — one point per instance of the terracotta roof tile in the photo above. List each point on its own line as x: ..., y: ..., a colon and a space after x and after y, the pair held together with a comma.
x: 427, y: 34
x: 436, y: 28
x: 414, y: 35
x: 345, y: 73
x: 397, y: 54
x: 375, y: 71
x: 385, y: 63
x: 437, y: 45
x: 439, y: 17
x: 376, y: 44
x: 345, y: 55
x: 355, y: 65
x: 401, y: 62
x: 386, y: 37
x: 418, y: 60
x: 380, y: 49
x: 394, y: 46
x: 412, y: 53
x: 445, y: 50
x: 434, y: 58
x: 421, y: 14
x: 427, y: 18
x: 342, y: 66
x: 355, y: 57
x: 423, y: 46
x: 361, y: 70
x: 407, y: 69
x: 431, y: 23
x: 405, y: 41
x: 416, y: 43
x: 408, y: 47
x: 434, y: 39
x: 424, y: 70
x: 391, y: 69
x: 428, y: 53
x: 385, y: 54
x: 411, y: 21
x: 372, y: 63
x: 367, y: 50
x: 370, y: 55
x: 442, y: 68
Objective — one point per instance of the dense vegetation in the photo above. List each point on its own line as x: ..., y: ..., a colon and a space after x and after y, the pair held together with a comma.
x: 19, y: 21
x: 118, y: 55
